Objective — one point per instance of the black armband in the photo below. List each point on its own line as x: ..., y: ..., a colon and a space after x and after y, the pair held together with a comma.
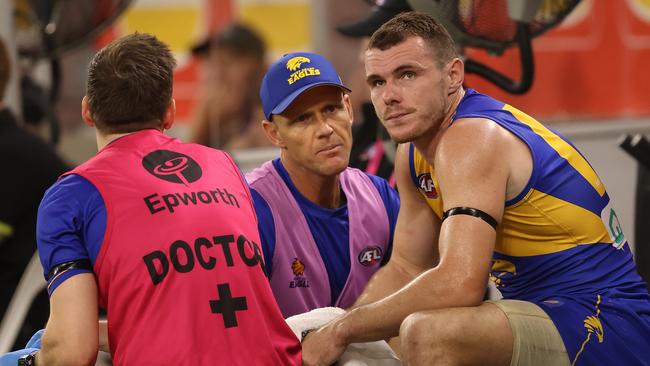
x: 77, y: 264
x: 472, y: 212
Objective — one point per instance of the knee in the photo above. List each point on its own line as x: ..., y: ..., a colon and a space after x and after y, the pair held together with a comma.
x: 430, y: 335
x: 413, y: 328
x: 417, y: 333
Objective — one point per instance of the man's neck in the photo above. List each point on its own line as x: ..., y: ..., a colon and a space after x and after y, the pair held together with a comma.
x: 105, y: 139
x: 325, y: 191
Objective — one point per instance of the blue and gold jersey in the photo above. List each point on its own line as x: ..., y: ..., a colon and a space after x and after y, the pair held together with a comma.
x: 560, y: 243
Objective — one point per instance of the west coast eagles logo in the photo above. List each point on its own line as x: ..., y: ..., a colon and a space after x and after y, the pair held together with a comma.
x: 502, y: 272
x: 298, y: 269
x: 295, y: 65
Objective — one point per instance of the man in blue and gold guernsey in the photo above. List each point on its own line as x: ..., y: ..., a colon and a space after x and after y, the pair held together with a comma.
x: 487, y: 192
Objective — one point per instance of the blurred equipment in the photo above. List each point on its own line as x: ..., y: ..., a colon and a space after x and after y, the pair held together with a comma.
x: 495, y: 25
x: 638, y: 147
x: 45, y: 29
x: 381, y: 12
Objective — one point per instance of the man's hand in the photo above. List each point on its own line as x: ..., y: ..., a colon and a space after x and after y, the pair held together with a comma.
x: 322, y: 347
x: 34, y: 345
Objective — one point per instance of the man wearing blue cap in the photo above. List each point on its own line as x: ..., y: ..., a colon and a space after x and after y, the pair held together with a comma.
x: 325, y: 228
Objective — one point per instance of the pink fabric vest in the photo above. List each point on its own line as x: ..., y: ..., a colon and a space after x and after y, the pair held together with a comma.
x: 179, y: 268
x: 299, y: 280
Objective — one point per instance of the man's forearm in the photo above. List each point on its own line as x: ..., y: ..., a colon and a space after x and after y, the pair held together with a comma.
x: 388, y: 280
x: 433, y: 289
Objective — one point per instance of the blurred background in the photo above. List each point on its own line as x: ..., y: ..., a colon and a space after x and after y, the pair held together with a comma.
x: 591, y: 78
x: 591, y: 72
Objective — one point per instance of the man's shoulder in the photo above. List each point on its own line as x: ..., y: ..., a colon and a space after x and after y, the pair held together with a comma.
x: 69, y: 188
x: 260, y: 173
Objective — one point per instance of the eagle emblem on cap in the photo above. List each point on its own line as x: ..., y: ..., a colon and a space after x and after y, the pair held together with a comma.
x: 294, y: 63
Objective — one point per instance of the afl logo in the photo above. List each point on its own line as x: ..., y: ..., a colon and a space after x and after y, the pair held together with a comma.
x: 426, y: 185
x: 172, y: 166
x: 370, y: 255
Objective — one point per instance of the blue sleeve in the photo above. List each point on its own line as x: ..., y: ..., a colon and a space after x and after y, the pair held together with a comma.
x: 266, y: 227
x: 391, y: 202
x: 70, y: 226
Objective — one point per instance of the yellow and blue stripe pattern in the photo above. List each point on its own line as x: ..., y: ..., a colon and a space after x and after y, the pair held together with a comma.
x: 559, y: 236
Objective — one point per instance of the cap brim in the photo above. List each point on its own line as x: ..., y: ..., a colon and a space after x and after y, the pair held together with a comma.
x: 280, y: 108
x: 368, y: 26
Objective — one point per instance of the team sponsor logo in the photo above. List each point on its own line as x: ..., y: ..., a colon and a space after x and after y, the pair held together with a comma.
x: 502, y: 271
x: 295, y: 65
x: 425, y: 183
x: 370, y: 255
x: 613, y: 226
x: 172, y: 166
x: 298, y: 269
x: 172, y: 201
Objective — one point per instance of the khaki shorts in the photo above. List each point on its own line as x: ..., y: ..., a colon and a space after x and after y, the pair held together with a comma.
x: 536, y: 339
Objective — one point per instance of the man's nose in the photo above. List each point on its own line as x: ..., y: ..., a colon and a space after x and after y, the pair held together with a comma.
x: 391, y: 94
x: 324, y: 126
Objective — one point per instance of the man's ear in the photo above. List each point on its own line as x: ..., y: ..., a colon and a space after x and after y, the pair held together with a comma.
x: 170, y: 114
x: 348, y: 106
x: 85, y: 112
x: 272, y: 133
x: 456, y: 74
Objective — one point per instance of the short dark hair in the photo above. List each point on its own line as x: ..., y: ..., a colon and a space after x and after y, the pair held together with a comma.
x: 415, y: 24
x: 5, y: 69
x: 238, y: 38
x: 130, y: 84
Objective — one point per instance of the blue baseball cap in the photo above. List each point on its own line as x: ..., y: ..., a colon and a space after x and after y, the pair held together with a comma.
x: 291, y: 76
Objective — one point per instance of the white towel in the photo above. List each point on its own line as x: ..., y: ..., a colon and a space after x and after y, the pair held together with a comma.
x: 357, y: 354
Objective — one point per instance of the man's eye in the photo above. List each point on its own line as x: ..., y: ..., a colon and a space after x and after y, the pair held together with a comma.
x: 331, y: 108
x: 301, y: 118
x: 376, y: 83
x: 408, y: 75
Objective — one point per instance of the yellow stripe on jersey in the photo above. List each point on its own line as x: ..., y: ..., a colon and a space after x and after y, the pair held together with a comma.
x: 543, y: 224
x: 562, y: 147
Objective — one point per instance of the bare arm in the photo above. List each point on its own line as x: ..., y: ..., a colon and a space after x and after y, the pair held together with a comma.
x: 471, y: 173
x: 71, y: 334
x: 415, y: 240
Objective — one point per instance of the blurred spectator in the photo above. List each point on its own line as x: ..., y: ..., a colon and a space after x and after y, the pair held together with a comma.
x: 29, y: 166
x: 372, y: 151
x: 229, y: 112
